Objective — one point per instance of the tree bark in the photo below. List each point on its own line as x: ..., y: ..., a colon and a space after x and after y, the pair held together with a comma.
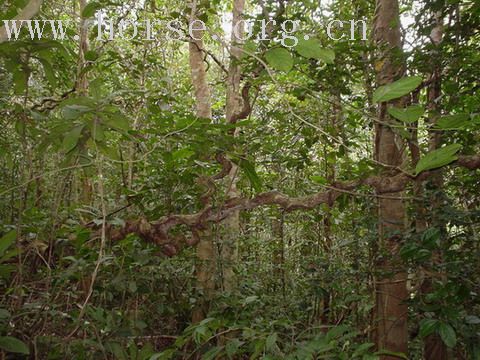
x: 391, y: 291
x: 434, y: 348
x: 231, y: 227
x: 205, y: 260
x: 81, y: 87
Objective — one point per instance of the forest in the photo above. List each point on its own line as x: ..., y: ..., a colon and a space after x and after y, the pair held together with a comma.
x: 240, y: 179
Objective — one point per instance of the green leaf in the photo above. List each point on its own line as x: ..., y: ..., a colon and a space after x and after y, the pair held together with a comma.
x: 117, y: 121
x: 279, y: 59
x: 70, y: 140
x: 97, y: 132
x: 6, y: 241
x: 90, y: 9
x: 250, y: 299
x: 91, y: 55
x: 447, y: 333
x: 472, y: 319
x: 6, y: 270
x: 271, y: 341
x: 362, y: 349
x: 117, y: 350
x: 319, y: 179
x: 9, y: 254
x: 427, y: 327
x: 72, y: 112
x: 453, y: 121
x: 146, y: 352
x: 392, y: 353
x: 164, y: 355
x: 49, y: 73
x: 20, y: 78
x: 252, y: 175
x: 336, y: 332
x: 312, y: 49
x: 438, y: 158
x: 402, y: 132
x: 232, y: 347
x: 108, y: 150
x: 407, y: 115
x: 4, y: 314
x: 184, y: 153
x: 96, y: 89
x: 212, y: 353
x: 13, y: 345
x: 396, y: 89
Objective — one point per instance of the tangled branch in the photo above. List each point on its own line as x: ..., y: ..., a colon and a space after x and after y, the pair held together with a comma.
x: 157, y: 232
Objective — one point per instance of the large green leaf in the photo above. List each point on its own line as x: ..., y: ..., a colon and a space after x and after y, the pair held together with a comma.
x: 252, y: 175
x: 447, y: 333
x: 116, y: 120
x: 407, y: 115
x: 396, y: 89
x: 456, y: 121
x: 72, y: 112
x: 91, y: 8
x: 49, y: 73
x: 6, y: 241
x: 312, y: 49
x: 20, y: 79
x: 428, y: 326
x: 438, y: 158
x: 70, y: 140
x: 279, y: 59
x: 13, y: 345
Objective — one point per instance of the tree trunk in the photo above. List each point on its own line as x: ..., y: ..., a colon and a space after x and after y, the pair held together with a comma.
x: 434, y: 348
x: 231, y: 228
x: 81, y: 87
x: 391, y: 291
x: 205, y: 262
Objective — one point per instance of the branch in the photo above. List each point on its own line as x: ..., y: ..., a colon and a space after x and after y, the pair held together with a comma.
x: 157, y: 232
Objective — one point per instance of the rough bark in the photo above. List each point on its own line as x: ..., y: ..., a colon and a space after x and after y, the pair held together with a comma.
x: 234, y: 104
x: 81, y: 87
x: 391, y: 291
x: 205, y: 261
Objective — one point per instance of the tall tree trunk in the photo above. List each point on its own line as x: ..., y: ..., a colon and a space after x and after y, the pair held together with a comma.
x: 234, y: 103
x: 391, y: 291
x: 81, y: 88
x: 434, y: 348
x: 205, y: 262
